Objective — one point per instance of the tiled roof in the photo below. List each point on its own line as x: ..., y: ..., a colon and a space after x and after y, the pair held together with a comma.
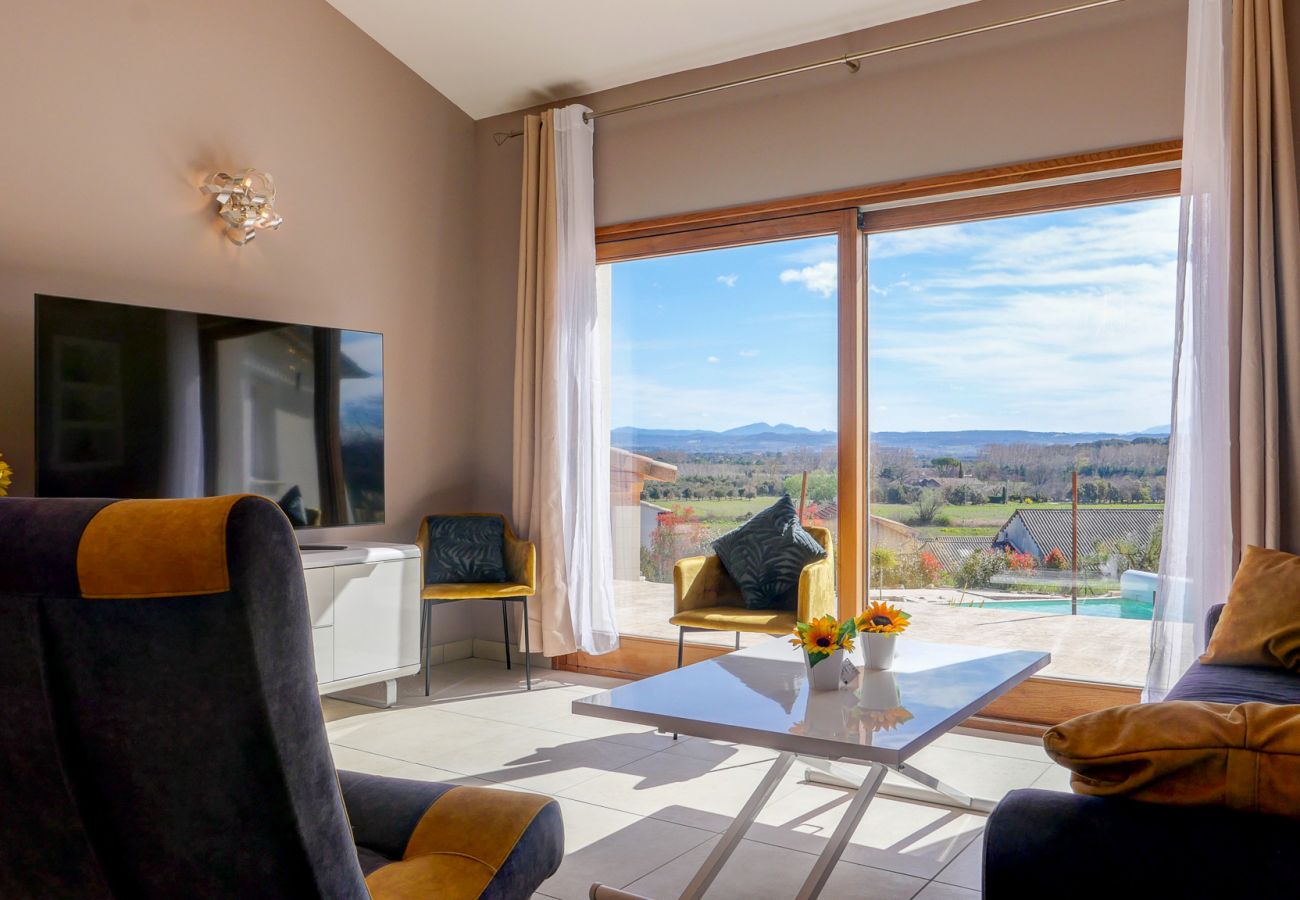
x: 1050, y: 528
x: 950, y: 551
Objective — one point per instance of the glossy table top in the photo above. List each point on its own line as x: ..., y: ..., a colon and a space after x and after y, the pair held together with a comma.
x: 760, y: 696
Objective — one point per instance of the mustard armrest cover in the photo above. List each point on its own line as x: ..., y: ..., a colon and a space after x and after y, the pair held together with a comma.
x: 1186, y: 753
x: 423, y: 839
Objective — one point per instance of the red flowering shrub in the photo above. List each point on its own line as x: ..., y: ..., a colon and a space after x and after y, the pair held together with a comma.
x: 1056, y: 560
x: 678, y: 534
x: 928, y: 568
x: 1020, y: 562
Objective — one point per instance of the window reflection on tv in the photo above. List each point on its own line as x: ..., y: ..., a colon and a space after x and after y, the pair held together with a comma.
x: 134, y: 401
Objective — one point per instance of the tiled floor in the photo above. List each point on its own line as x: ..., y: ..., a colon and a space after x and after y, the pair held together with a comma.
x: 641, y: 811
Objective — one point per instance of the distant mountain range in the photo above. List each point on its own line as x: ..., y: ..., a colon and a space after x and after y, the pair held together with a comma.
x: 760, y: 437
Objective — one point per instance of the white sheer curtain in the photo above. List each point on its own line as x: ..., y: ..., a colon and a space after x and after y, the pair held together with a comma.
x: 1196, y: 561
x: 561, y: 435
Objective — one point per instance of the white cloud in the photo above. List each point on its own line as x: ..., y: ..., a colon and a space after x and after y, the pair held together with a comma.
x: 820, y: 278
x: 729, y: 280
x: 1067, y: 327
x: 712, y: 360
x: 749, y: 354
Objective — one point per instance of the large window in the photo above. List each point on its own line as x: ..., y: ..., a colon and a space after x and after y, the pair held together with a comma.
x: 1020, y: 378
x: 723, y: 395
x: 943, y: 357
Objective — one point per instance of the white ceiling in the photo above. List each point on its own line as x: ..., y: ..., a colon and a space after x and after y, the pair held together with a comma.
x: 494, y: 56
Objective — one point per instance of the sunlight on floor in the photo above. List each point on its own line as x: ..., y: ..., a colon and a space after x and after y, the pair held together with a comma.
x: 641, y: 810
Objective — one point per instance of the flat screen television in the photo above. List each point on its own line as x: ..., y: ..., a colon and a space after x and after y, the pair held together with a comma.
x: 137, y: 402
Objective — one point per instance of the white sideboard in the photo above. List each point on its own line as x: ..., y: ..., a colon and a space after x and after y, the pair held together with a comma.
x: 365, y: 614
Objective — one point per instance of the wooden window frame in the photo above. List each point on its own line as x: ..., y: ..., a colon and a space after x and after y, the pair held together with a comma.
x: 1069, y: 182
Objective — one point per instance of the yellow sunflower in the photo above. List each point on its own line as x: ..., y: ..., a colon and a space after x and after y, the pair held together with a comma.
x: 6, y: 476
x: 821, y: 637
x: 881, y: 618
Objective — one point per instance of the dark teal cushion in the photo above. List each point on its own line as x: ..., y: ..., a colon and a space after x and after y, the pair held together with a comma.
x: 465, y: 549
x: 766, y: 556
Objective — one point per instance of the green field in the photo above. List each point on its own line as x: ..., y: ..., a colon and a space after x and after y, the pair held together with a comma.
x: 721, y: 512
x: 988, y: 515
x: 980, y: 520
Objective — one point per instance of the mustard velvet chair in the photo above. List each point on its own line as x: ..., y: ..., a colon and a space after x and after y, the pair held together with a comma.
x: 706, y: 599
x: 475, y: 554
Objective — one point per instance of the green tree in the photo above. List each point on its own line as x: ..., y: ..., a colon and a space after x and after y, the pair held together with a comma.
x: 883, y: 561
x: 947, y: 464
x: 926, y: 509
x: 979, y: 569
x: 823, y: 487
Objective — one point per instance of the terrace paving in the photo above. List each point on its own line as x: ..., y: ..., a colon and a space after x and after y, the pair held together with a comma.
x: 1088, y: 648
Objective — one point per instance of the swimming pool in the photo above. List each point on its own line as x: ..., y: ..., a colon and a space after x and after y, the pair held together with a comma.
x: 1108, y: 607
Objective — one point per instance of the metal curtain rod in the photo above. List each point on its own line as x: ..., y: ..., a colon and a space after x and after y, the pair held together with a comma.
x: 852, y: 60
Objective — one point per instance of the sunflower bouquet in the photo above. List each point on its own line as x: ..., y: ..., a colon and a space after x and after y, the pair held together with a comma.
x: 820, y: 638
x: 881, y: 618
x: 880, y: 625
x: 6, y: 476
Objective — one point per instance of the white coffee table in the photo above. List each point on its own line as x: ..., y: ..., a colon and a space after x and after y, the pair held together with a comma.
x: 759, y: 696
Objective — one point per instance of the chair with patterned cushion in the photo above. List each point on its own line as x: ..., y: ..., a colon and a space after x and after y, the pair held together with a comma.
x: 162, y: 736
x: 475, y: 556
x: 705, y: 598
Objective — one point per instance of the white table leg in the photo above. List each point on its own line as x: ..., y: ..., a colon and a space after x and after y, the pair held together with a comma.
x: 863, y: 794
x: 934, y: 790
x: 731, y: 838
x: 830, y: 854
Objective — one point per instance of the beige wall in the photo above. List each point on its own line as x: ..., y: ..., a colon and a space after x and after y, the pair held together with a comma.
x: 1100, y: 79
x: 113, y: 111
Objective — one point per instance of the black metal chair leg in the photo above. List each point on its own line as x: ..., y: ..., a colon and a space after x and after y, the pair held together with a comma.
x: 426, y: 607
x: 737, y: 640
x: 505, y: 629
x: 528, y: 649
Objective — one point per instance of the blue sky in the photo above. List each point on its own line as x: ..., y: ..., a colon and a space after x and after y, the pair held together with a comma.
x: 1053, y: 322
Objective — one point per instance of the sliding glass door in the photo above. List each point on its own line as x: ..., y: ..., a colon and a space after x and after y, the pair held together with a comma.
x: 722, y: 395
x: 724, y: 376
x: 1020, y: 379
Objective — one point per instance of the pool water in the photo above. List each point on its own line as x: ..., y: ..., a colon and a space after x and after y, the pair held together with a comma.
x: 1109, y: 607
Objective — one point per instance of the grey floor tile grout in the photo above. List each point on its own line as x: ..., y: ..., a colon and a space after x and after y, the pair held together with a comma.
x: 635, y: 752
x: 691, y: 849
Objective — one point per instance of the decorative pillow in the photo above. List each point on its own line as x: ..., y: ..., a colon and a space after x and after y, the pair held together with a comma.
x: 1260, y: 626
x: 767, y: 554
x: 1186, y: 753
x: 464, y: 549
x: 293, y: 506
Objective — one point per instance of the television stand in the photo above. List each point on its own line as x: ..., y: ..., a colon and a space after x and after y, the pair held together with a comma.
x: 364, y: 599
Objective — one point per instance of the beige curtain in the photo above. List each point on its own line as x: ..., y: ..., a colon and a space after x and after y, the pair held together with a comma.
x: 1234, y: 472
x: 1264, y: 284
x: 561, y: 427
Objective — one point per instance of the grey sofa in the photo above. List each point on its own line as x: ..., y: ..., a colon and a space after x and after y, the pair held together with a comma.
x: 1051, y: 844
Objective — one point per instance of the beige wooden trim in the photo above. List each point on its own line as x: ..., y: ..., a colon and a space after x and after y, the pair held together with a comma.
x: 853, y: 497
x: 1029, y: 172
x: 1071, y: 195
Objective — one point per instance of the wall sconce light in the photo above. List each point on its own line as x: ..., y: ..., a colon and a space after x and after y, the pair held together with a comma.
x: 247, y: 201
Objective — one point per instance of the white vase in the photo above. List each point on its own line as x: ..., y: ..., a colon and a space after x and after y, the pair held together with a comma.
x: 878, y: 650
x: 825, y: 676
